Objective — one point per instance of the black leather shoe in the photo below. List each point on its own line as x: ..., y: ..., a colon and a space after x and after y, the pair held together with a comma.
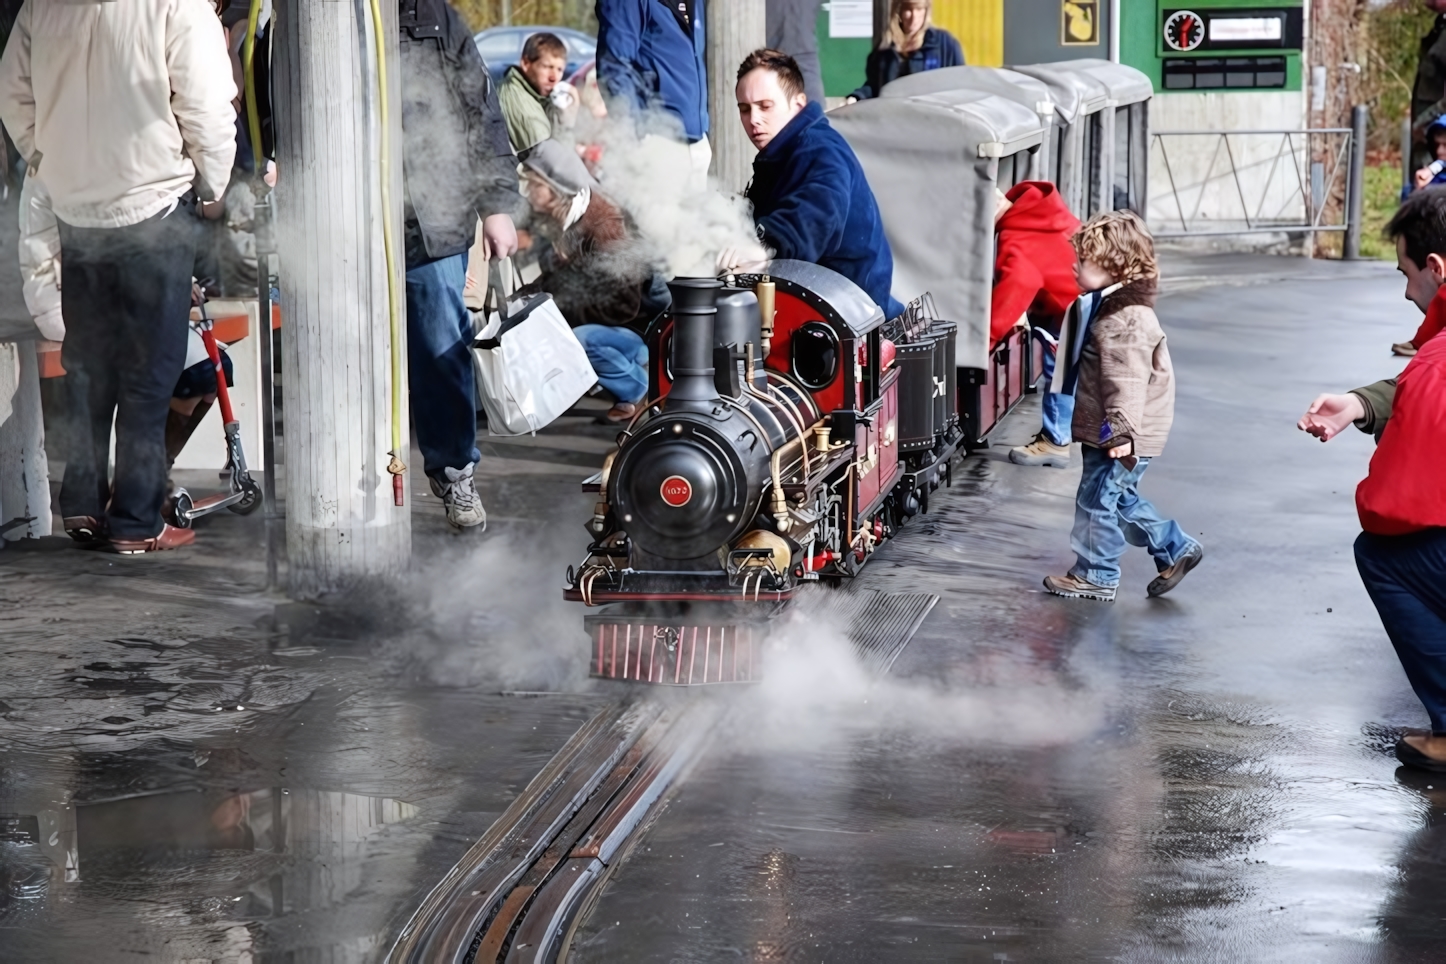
x: 1170, y: 578
x: 1415, y: 759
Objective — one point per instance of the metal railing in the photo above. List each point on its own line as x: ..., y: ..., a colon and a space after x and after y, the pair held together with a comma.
x: 1303, y: 171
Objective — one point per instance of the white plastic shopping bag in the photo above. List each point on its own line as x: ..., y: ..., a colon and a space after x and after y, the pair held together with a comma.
x: 530, y: 366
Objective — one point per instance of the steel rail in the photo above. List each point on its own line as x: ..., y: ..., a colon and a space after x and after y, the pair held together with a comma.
x: 518, y: 892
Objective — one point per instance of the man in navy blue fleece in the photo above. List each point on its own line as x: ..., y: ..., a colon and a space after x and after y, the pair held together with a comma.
x: 650, y: 57
x: 811, y: 201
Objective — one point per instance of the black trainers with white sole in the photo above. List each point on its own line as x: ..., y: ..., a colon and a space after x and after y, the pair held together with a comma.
x: 459, y: 497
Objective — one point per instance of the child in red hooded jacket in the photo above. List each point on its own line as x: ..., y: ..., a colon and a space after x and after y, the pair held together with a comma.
x: 1034, y: 284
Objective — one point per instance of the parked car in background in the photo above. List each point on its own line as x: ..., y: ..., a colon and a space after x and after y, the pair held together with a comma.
x: 501, y: 47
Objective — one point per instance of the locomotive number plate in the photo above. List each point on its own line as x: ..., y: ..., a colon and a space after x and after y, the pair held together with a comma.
x: 676, y: 491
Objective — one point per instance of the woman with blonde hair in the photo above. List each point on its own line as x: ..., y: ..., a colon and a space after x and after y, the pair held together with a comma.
x: 912, y: 44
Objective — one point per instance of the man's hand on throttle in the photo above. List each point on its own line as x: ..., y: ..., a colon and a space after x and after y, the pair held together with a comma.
x: 1329, y: 415
x: 501, y: 236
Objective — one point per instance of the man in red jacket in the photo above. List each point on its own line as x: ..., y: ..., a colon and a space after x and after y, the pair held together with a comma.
x: 1034, y: 277
x: 1401, y: 554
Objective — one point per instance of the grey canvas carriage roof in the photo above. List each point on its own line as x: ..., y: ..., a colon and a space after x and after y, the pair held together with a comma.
x: 1074, y: 92
x: 1009, y: 84
x: 1125, y: 84
x: 929, y: 159
x: 978, y: 122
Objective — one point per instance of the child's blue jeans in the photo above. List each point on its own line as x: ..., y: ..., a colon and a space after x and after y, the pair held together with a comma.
x: 1109, y: 513
x: 1056, y: 410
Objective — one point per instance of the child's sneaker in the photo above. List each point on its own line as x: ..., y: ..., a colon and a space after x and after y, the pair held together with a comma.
x: 1170, y: 578
x: 1073, y: 587
x: 1040, y: 452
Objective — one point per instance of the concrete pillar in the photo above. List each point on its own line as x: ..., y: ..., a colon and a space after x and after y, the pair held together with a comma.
x: 735, y: 29
x: 341, y: 523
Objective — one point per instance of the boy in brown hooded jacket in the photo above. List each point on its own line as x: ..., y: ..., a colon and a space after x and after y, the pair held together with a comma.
x: 1124, y: 391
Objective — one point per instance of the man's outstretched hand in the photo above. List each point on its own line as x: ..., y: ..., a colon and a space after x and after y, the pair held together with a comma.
x: 1329, y: 415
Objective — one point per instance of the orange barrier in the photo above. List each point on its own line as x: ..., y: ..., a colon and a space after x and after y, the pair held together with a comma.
x: 231, y: 328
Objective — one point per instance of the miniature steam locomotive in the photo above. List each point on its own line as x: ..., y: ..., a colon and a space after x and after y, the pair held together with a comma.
x: 792, y: 433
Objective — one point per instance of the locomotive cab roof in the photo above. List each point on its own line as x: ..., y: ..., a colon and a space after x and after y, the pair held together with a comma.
x: 932, y: 161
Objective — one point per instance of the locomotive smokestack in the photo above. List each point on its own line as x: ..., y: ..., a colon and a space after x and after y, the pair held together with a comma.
x: 695, y: 306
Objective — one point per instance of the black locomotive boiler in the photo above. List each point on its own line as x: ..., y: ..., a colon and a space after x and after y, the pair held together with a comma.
x: 787, y: 435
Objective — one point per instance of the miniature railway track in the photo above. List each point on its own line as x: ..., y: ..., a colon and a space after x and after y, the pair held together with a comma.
x: 519, y: 893
x: 520, y: 890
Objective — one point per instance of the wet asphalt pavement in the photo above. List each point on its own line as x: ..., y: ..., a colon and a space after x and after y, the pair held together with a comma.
x: 1202, y: 777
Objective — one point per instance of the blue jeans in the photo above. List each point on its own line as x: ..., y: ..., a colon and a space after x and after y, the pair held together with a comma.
x: 126, y: 295
x: 1406, y: 579
x: 1057, y: 409
x: 619, y: 357
x: 1109, y: 513
x: 439, y: 365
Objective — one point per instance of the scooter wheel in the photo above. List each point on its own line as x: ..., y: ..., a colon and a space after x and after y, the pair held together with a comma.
x: 250, y: 501
x: 181, y: 506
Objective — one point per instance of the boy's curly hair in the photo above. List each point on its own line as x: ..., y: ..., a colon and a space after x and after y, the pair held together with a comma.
x: 1118, y: 242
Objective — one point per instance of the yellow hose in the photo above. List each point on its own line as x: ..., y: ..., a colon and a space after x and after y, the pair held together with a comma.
x: 396, y: 467
x: 248, y: 62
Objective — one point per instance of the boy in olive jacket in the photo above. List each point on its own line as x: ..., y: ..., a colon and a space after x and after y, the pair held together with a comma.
x: 1124, y: 390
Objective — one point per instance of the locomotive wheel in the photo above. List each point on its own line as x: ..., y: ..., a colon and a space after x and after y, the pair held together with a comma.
x: 249, y: 501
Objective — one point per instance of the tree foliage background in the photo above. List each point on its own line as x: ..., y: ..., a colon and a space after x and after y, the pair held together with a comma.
x: 1393, y: 32
x: 481, y: 14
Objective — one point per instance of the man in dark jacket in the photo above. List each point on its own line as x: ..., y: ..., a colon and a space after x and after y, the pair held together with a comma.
x: 1428, y: 91
x: 458, y: 166
x: 811, y: 201
x: 1401, y: 554
x: 650, y: 57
